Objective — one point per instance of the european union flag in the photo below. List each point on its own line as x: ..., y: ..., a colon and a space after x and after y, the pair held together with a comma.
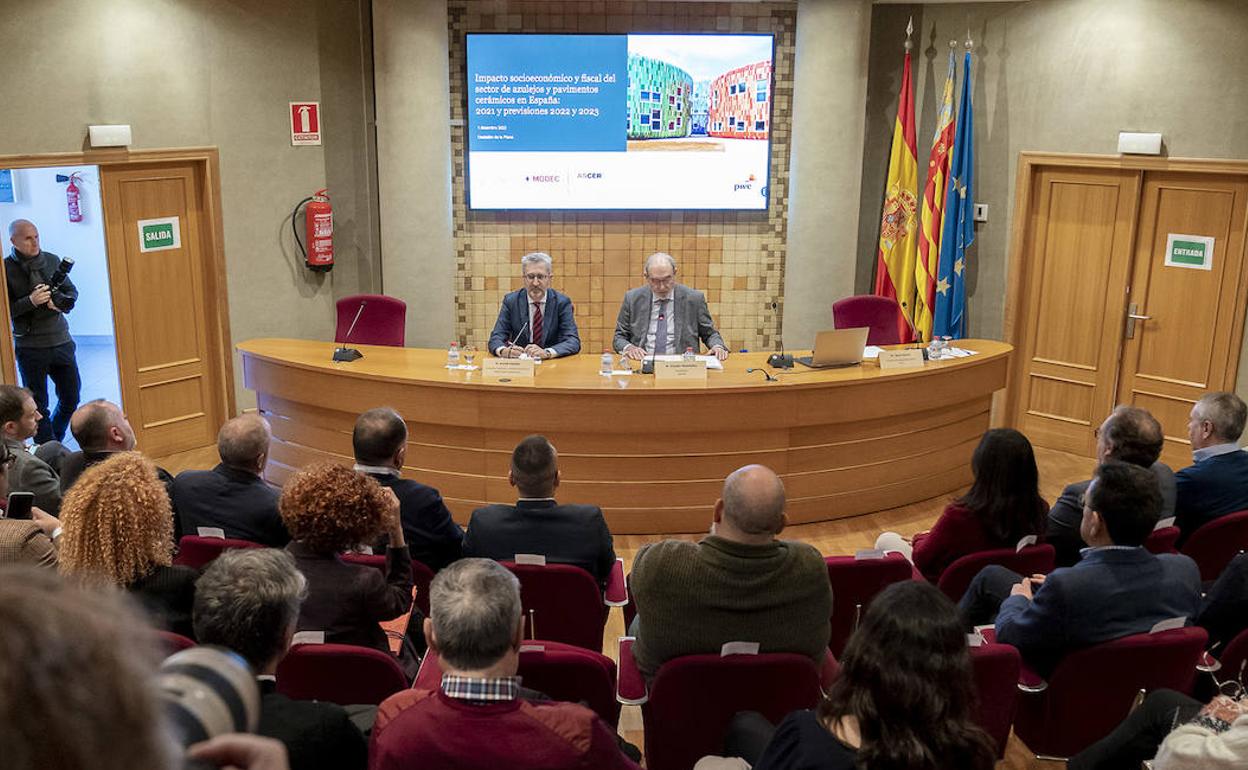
x: 958, y: 232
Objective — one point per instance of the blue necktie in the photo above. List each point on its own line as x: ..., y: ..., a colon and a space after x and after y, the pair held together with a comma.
x: 660, y: 330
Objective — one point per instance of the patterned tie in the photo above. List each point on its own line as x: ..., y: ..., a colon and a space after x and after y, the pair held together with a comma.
x: 660, y: 330
x: 536, y: 336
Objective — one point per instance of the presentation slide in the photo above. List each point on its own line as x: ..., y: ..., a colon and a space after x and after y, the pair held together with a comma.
x: 619, y: 121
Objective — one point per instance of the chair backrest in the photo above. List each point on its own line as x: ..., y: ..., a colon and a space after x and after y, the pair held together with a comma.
x: 694, y: 697
x: 383, y: 321
x: 881, y: 314
x: 1091, y: 690
x: 195, y: 551
x: 854, y: 583
x: 1215, y: 543
x: 1234, y: 659
x: 995, y: 667
x: 1034, y: 559
x: 172, y: 642
x: 422, y: 576
x: 561, y: 603
x: 1162, y: 540
x: 339, y: 673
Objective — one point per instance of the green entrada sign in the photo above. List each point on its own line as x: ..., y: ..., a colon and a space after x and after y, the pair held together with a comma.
x: 1190, y: 251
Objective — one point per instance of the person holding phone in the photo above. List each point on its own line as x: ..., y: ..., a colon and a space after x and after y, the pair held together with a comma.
x: 27, y: 534
x: 19, y: 419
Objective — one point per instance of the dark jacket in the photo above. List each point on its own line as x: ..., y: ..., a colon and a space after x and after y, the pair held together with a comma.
x: 318, y: 736
x: 1224, y: 611
x: 1066, y: 515
x: 73, y: 464
x: 37, y: 327
x: 347, y: 601
x: 433, y: 538
x: 558, y: 324
x: 564, y: 534
x: 1210, y: 488
x: 239, y: 502
x: 168, y: 595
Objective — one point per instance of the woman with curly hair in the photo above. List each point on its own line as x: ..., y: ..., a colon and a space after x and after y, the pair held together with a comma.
x: 329, y: 509
x: 118, y: 530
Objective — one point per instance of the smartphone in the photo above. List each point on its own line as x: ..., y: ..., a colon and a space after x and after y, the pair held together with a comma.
x: 20, y: 505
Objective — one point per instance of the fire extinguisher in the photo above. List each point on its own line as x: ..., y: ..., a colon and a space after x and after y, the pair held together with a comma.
x: 71, y: 199
x: 318, y: 254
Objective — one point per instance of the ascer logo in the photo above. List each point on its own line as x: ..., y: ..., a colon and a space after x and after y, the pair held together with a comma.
x: 748, y: 184
x: 589, y: 175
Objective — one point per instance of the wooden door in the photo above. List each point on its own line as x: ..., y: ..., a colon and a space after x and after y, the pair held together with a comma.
x: 1186, y: 342
x: 170, y: 372
x: 1074, y: 269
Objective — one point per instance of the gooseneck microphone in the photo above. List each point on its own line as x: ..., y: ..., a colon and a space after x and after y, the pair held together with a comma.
x: 344, y: 353
x: 779, y: 360
x: 767, y: 374
x: 647, y: 365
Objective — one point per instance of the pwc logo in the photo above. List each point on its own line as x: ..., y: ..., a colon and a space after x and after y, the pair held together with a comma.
x: 748, y: 184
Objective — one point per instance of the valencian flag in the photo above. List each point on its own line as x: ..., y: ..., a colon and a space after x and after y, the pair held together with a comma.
x: 894, y: 272
x: 933, y: 211
x: 958, y: 231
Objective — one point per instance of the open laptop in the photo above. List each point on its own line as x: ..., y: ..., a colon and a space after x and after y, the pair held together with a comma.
x: 839, y: 347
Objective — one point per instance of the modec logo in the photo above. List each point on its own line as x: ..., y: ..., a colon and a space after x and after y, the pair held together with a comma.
x: 542, y: 178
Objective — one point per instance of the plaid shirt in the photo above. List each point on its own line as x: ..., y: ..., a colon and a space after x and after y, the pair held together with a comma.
x: 477, y: 690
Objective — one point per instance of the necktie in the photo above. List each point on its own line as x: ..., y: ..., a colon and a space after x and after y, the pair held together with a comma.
x: 660, y: 330
x: 536, y: 336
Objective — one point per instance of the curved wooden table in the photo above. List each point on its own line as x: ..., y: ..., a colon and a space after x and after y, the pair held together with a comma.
x: 846, y: 441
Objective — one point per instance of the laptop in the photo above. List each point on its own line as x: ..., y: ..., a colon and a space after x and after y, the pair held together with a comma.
x: 839, y: 347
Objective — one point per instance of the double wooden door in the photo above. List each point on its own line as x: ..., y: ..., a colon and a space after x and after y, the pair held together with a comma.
x: 1102, y: 317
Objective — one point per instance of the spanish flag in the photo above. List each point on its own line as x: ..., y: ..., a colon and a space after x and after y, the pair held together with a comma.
x: 933, y: 211
x: 895, y: 271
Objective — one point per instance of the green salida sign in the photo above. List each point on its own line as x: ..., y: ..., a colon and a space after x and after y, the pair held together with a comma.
x: 1190, y: 251
x: 159, y: 234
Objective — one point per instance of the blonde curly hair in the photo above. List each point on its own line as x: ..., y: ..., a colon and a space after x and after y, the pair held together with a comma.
x: 331, y: 509
x: 117, y: 522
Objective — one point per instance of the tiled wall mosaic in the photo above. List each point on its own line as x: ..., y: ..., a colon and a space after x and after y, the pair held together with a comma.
x: 737, y: 258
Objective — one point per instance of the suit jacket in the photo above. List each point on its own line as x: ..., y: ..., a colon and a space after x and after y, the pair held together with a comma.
x: 432, y: 536
x: 558, y: 324
x: 73, y: 464
x: 1111, y: 593
x: 1067, y: 514
x: 30, y: 474
x: 318, y: 736
x: 168, y: 595
x: 564, y: 534
x: 347, y: 601
x: 24, y: 542
x: 1208, y: 489
x: 240, y: 503
x: 689, y: 306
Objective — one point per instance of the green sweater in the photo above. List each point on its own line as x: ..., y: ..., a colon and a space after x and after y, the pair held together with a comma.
x: 693, y: 597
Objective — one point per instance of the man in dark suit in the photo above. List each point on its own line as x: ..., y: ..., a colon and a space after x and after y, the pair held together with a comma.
x: 1216, y: 483
x: 100, y: 428
x: 536, y: 524
x: 233, y: 497
x: 1116, y: 590
x: 248, y: 601
x: 665, y: 317
x: 380, y: 444
x: 536, y: 320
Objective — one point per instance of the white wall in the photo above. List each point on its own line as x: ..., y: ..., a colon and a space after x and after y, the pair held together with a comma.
x: 41, y: 199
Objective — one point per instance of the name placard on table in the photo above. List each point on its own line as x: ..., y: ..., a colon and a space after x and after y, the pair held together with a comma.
x: 507, y: 369
x: 680, y: 372
x: 910, y: 358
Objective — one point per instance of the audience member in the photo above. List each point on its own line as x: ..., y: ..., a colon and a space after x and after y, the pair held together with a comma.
x: 536, y: 524
x: 738, y: 584
x: 1131, y: 435
x: 248, y: 601
x: 330, y: 509
x: 233, y: 496
x: 1116, y: 590
x: 19, y: 419
x: 380, y: 444
x: 118, y: 530
x: 1224, y: 610
x: 1003, y: 506
x: 478, y: 718
x: 101, y: 429
x: 1216, y: 483
x: 28, y: 541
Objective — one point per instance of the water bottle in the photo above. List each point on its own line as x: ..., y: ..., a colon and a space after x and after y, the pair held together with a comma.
x: 452, y: 356
x: 933, y: 350
x: 689, y: 356
x: 606, y: 363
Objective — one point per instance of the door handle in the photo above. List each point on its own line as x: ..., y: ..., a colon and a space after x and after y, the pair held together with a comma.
x: 1139, y: 317
x: 1132, y: 317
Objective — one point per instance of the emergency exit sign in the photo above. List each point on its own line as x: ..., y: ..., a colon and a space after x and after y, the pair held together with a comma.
x: 305, y: 123
x: 1190, y: 251
x: 159, y: 234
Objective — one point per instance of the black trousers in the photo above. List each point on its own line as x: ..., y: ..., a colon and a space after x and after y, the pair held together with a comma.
x: 982, y: 600
x: 36, y: 366
x: 1139, y: 735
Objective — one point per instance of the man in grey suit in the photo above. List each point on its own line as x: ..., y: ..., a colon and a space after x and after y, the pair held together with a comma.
x: 664, y: 316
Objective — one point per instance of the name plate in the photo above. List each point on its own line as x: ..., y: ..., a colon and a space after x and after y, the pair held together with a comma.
x: 901, y: 359
x: 680, y: 372
x: 507, y: 369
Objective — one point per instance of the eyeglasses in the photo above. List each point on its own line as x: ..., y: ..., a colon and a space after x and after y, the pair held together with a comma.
x: 662, y: 281
x: 537, y: 277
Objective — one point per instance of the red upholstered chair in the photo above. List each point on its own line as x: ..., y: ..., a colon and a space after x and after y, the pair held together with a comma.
x: 561, y: 603
x: 854, y: 583
x: 382, y: 322
x: 996, y: 667
x: 1215, y: 543
x: 882, y: 314
x: 1162, y: 540
x: 1034, y: 559
x: 1091, y: 690
x: 198, y: 552
x: 1233, y: 662
x: 172, y: 642
x: 422, y: 576
x: 339, y: 673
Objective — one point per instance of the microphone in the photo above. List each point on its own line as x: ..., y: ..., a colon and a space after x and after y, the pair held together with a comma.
x: 344, y: 353
x: 779, y: 360
x: 514, y: 339
x: 647, y: 366
x: 766, y: 373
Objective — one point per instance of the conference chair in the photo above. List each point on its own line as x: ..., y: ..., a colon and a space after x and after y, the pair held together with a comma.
x: 563, y: 603
x: 172, y: 642
x: 383, y: 320
x: 196, y: 551
x: 422, y: 576
x: 996, y: 668
x: 1162, y: 540
x: 1215, y: 543
x: 1030, y: 560
x: 881, y: 314
x: 855, y: 582
x: 339, y: 673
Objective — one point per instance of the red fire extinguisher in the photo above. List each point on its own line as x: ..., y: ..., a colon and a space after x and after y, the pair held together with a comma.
x: 71, y: 199
x: 318, y: 231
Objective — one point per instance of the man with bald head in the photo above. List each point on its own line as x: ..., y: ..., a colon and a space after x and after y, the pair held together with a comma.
x: 738, y: 584
x: 664, y: 317
x: 233, y: 497
x: 100, y: 428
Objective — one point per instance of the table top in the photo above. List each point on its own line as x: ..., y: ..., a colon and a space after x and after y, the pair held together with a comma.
x: 427, y: 366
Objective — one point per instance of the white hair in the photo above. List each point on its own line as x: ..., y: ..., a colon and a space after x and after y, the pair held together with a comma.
x: 537, y: 256
x: 660, y: 255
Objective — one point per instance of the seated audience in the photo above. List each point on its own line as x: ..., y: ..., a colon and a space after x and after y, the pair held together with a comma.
x: 101, y: 429
x: 247, y: 601
x: 119, y: 531
x: 536, y: 524
x: 380, y: 444
x: 1216, y: 483
x: 1002, y: 506
x: 29, y: 541
x: 1130, y: 435
x: 1224, y: 610
x: 1116, y: 590
x: 233, y: 497
x: 330, y: 509
x: 19, y: 419
x: 478, y: 718
x: 739, y: 584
